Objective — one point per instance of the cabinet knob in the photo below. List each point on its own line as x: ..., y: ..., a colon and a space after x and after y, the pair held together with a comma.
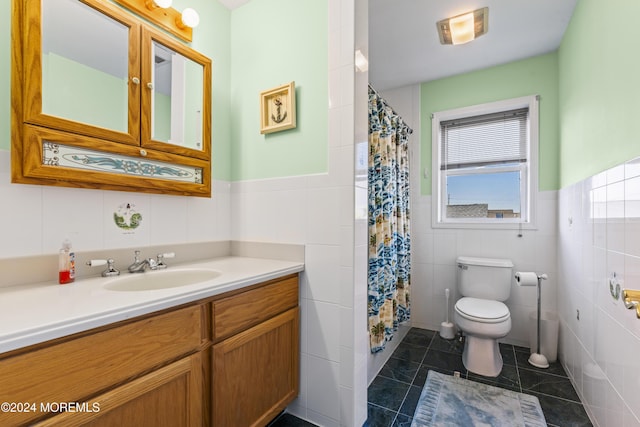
x: 143, y: 152
x: 150, y: 85
x: 135, y: 80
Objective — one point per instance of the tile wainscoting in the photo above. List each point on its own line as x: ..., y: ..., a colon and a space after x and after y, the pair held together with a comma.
x: 599, y: 236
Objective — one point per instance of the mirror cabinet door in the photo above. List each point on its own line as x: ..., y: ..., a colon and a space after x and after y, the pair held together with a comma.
x: 86, y: 65
x: 85, y: 112
x: 176, y: 97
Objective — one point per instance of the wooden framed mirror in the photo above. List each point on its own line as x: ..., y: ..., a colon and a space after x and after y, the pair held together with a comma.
x: 94, y: 107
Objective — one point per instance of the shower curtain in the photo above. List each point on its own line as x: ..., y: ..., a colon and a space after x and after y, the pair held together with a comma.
x: 389, y: 232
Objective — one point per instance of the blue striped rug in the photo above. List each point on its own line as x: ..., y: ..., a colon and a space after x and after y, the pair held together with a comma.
x: 449, y: 401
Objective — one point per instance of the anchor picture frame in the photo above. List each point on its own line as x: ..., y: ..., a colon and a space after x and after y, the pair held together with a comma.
x: 278, y: 108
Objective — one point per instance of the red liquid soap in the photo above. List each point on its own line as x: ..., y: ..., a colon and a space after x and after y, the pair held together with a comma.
x: 66, y: 264
x: 64, y: 277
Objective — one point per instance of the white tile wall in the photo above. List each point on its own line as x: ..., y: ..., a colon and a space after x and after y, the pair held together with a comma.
x: 598, y: 237
x: 434, y: 270
x: 319, y: 211
x: 35, y: 219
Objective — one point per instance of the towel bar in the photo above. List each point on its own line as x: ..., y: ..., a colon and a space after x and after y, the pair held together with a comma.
x: 631, y: 299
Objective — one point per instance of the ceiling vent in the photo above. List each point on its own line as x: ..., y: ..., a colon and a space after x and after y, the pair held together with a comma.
x: 463, y: 28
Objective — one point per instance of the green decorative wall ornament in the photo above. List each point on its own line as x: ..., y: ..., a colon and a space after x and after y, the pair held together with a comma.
x: 126, y: 217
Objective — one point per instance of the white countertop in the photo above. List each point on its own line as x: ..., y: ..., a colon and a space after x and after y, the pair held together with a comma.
x: 40, y: 312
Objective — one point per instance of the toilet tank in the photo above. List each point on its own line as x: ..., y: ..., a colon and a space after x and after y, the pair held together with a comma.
x: 487, y: 278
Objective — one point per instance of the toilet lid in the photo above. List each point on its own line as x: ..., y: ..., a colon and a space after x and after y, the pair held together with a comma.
x: 482, y: 310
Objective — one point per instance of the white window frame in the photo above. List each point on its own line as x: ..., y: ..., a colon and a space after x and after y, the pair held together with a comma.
x: 529, y: 170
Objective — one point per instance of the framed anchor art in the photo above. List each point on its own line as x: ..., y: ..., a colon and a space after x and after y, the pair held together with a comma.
x: 278, y: 108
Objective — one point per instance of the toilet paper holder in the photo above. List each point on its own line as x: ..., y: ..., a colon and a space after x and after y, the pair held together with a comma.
x: 529, y: 278
x: 631, y: 299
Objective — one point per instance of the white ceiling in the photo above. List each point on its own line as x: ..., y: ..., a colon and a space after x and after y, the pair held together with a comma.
x: 404, y: 47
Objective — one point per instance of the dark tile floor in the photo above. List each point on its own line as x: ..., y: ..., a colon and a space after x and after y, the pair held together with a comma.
x: 288, y: 420
x: 394, y: 393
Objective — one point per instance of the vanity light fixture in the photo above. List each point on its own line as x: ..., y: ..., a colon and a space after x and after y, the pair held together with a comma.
x: 152, y: 4
x: 464, y: 28
x: 189, y: 18
x: 163, y: 15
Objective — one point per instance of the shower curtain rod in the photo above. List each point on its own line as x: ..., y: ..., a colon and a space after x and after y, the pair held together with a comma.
x: 373, y: 89
x: 387, y: 104
x: 381, y: 97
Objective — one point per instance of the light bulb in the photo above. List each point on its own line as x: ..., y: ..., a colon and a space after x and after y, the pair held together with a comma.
x: 163, y: 3
x: 462, y: 28
x: 190, y: 17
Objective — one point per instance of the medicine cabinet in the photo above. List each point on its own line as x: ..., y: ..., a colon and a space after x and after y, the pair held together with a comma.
x: 102, y: 100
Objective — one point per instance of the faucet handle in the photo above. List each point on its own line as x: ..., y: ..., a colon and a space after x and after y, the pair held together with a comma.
x: 161, y: 258
x: 136, y: 256
x: 110, y: 271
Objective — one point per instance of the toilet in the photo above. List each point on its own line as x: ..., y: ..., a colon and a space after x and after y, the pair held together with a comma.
x: 483, y: 283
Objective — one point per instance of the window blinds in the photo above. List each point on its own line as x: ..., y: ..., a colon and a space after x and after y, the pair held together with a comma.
x: 490, y: 139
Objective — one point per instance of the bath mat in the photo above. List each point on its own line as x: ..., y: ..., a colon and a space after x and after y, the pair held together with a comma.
x: 450, y: 401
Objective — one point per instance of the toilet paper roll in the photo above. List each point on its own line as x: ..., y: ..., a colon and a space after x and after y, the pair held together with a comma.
x: 526, y: 278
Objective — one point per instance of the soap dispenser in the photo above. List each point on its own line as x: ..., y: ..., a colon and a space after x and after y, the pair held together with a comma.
x: 66, y: 263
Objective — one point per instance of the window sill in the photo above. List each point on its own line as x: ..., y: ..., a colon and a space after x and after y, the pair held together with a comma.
x: 484, y: 225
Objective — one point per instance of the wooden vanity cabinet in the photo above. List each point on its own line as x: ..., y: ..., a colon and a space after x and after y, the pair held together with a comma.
x: 230, y: 360
x: 114, y: 368
x: 255, y: 354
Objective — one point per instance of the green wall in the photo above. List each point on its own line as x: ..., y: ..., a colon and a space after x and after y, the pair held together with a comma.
x: 270, y: 48
x: 533, y: 76
x: 99, y: 98
x: 599, y: 101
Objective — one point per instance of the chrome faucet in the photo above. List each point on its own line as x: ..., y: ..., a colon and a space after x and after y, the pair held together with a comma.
x: 110, y: 271
x: 139, y: 266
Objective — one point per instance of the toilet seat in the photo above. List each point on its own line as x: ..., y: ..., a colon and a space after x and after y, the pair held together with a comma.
x: 482, y: 310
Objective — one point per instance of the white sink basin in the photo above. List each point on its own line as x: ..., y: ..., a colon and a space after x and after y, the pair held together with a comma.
x: 163, y: 279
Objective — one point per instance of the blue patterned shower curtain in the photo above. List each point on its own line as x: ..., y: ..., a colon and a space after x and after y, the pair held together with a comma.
x: 389, y: 232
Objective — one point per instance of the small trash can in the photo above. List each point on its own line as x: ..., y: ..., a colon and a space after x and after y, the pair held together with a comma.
x: 548, y: 334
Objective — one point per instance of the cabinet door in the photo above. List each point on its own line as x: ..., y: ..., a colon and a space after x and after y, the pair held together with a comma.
x: 255, y: 373
x: 91, y: 364
x: 83, y: 69
x: 176, y: 97
x: 171, y: 396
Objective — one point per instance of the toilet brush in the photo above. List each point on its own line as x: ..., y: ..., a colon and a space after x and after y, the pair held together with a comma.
x: 538, y: 359
x: 447, y: 330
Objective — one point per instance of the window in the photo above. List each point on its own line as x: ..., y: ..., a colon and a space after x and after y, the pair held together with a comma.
x: 485, y: 165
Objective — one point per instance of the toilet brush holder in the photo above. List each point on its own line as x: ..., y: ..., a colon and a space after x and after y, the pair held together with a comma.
x: 447, y: 330
x: 538, y: 359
